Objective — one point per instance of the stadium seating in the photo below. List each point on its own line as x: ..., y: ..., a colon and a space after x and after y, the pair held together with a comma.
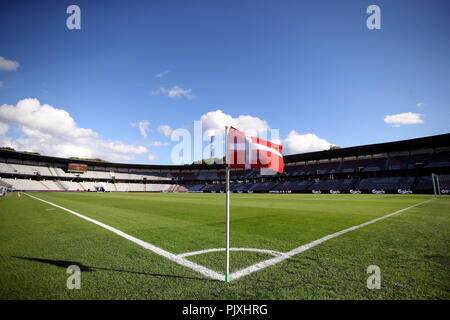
x: 398, y: 163
x: 339, y: 184
x: 216, y: 187
x: 25, y: 184
x: 369, y: 165
x: 425, y: 183
x: 51, y: 185
x: 405, y: 167
x: 439, y: 160
x: 293, y: 185
x: 386, y: 183
x: 349, y: 166
x: 194, y: 188
x: 263, y: 186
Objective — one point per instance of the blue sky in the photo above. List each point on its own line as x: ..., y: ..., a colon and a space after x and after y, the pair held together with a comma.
x: 308, y: 66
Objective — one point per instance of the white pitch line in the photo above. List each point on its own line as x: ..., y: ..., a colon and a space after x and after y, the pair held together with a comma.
x: 240, y: 273
x: 270, y: 262
x: 194, y: 253
x: 166, y: 254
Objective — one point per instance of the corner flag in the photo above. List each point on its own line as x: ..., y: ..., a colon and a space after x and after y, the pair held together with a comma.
x: 247, y: 152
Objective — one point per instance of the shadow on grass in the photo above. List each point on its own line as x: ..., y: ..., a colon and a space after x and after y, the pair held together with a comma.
x: 65, y: 264
x: 444, y: 260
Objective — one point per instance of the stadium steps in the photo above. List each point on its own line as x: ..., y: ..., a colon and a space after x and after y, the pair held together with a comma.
x: 45, y: 186
x: 81, y: 186
x: 353, y: 184
x: 59, y: 184
x: 5, y: 184
x: 386, y: 165
x: 339, y: 167
x: 11, y: 168
x: 56, y: 172
x: 275, y: 186
x: 414, y: 184
x: 52, y: 171
x: 308, y: 186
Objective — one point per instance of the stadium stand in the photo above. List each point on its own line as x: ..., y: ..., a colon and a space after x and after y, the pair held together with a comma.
x: 262, y: 186
x: 386, y: 183
x: 194, y: 188
x: 398, y: 163
x: 216, y: 187
x: 425, y: 183
x: 334, y: 184
x: 406, y: 164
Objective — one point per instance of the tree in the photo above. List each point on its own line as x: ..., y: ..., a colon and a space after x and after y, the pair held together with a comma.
x: 333, y: 147
x: 7, y: 148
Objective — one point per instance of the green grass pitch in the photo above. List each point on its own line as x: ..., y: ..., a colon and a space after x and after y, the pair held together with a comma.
x: 39, y: 241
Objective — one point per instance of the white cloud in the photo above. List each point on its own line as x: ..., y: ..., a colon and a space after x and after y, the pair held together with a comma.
x: 397, y: 120
x: 30, y: 114
x: 152, y: 157
x: 214, y: 122
x: 157, y: 144
x: 165, y: 130
x: 7, y: 142
x: 52, y: 131
x: 8, y: 65
x: 174, y: 92
x: 143, y: 127
x: 301, y: 143
x: 162, y: 74
x: 3, y: 128
x: 421, y: 104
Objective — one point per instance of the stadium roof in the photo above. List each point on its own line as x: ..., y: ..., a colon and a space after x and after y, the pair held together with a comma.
x: 442, y: 140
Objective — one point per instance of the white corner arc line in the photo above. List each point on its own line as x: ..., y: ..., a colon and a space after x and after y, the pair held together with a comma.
x: 166, y: 254
x: 270, y: 262
x: 194, y: 253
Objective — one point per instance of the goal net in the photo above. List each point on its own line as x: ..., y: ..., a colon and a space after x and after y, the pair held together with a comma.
x: 441, y: 184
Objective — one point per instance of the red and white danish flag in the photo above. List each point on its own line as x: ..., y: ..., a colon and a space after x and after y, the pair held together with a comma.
x: 243, y: 151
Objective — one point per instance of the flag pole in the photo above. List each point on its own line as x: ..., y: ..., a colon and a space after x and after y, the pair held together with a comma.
x: 227, y: 174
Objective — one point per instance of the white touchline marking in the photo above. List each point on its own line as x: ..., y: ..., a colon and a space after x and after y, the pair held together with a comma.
x: 166, y: 254
x: 194, y: 253
x: 270, y: 262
